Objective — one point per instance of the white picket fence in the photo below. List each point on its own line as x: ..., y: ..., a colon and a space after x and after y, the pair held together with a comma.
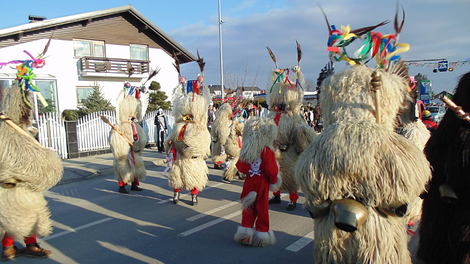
x: 52, y: 133
x: 92, y: 132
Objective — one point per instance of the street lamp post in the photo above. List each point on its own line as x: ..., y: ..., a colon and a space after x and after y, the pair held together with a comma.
x: 221, y: 56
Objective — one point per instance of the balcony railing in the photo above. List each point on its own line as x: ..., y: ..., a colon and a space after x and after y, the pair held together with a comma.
x: 102, y: 66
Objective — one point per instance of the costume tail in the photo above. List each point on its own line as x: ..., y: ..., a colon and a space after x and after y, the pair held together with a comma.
x: 249, y: 199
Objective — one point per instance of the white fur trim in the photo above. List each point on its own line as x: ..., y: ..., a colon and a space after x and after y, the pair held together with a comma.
x: 264, y: 239
x: 249, y: 199
x: 275, y: 186
x: 243, y: 234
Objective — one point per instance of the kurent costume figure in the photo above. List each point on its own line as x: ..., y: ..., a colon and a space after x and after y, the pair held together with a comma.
x: 359, y: 175
x: 444, y: 231
x: 189, y: 142
x: 258, y: 162
x: 219, y: 133
x: 26, y: 170
x: 160, y: 123
x: 294, y: 134
x: 128, y: 140
x: 233, y: 145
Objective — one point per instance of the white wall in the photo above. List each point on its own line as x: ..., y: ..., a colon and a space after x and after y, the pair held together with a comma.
x: 61, y: 63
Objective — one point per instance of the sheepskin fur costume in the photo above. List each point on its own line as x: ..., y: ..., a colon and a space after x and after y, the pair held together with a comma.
x: 130, y: 114
x: 294, y: 134
x: 357, y: 158
x: 23, y: 209
x: 444, y: 231
x: 191, y: 144
x: 233, y: 147
x: 412, y: 128
x: 219, y: 132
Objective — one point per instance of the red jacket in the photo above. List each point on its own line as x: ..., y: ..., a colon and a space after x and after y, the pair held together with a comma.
x: 259, y: 174
x: 430, y: 125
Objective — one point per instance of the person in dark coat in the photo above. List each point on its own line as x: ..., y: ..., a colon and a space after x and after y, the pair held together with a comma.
x: 444, y: 231
x: 160, y: 122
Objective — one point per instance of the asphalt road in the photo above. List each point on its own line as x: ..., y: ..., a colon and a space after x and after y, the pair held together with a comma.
x: 93, y: 223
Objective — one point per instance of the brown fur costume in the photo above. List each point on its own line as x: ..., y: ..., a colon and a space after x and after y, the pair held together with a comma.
x: 130, y: 112
x: 23, y: 209
x: 190, y: 171
x: 357, y: 158
x: 233, y: 148
x: 219, y: 132
x: 294, y: 135
x: 444, y: 230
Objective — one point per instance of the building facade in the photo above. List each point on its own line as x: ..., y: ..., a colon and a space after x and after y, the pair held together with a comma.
x: 103, y: 48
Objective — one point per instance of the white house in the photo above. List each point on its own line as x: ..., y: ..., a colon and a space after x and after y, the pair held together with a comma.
x: 92, y: 48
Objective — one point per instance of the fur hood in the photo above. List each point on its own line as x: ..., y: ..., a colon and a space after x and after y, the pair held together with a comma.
x: 130, y: 107
x: 258, y: 134
x: 347, y: 96
x: 197, y: 108
x: 224, y: 111
x: 283, y: 94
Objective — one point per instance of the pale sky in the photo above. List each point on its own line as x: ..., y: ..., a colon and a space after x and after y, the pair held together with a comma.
x: 434, y: 29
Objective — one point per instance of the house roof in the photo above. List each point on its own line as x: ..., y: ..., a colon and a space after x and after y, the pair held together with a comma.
x: 48, y: 24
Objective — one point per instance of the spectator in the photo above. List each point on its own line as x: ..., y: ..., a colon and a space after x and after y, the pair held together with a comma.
x: 430, y: 125
x: 210, y: 116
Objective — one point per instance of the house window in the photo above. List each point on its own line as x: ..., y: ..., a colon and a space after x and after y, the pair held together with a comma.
x: 48, y: 91
x: 83, y: 93
x: 90, y: 48
x: 138, y: 52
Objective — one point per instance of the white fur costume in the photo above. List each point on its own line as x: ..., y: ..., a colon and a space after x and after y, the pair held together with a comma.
x: 192, y: 145
x: 219, y: 132
x: 126, y: 168
x: 294, y: 135
x: 23, y: 209
x: 356, y: 157
x: 233, y: 147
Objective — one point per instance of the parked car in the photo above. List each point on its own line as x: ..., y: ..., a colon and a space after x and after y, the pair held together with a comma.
x: 437, y: 113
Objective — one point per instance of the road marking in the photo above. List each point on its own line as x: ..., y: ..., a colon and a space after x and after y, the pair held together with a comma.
x: 209, y: 224
x: 130, y: 253
x: 301, y: 243
x: 74, y: 230
x: 184, y: 195
x: 210, y: 212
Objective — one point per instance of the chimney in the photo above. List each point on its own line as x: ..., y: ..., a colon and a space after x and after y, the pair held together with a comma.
x: 33, y: 19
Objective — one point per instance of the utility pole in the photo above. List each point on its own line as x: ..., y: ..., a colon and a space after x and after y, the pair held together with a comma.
x: 221, y: 56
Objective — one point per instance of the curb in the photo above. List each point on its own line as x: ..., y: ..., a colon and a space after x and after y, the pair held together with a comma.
x: 105, y: 172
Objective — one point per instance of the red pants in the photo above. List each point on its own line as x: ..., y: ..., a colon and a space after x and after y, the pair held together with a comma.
x: 8, y: 240
x: 293, y: 196
x: 136, y: 182
x: 259, y: 211
x: 193, y: 191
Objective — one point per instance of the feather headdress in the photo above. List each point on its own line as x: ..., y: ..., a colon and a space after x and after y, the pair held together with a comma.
x: 282, y: 75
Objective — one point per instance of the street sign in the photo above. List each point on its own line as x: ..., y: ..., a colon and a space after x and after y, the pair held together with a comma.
x: 442, y: 66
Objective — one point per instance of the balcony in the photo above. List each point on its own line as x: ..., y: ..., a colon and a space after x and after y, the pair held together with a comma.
x: 108, y: 67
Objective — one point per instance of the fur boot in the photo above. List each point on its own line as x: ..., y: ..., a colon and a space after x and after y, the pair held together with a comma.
x: 264, y: 239
x: 244, y: 235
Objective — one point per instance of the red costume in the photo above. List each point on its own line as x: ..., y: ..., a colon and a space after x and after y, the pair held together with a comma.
x: 430, y: 125
x: 260, y: 175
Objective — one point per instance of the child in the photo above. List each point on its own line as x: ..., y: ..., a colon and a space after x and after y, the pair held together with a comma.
x: 257, y: 160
